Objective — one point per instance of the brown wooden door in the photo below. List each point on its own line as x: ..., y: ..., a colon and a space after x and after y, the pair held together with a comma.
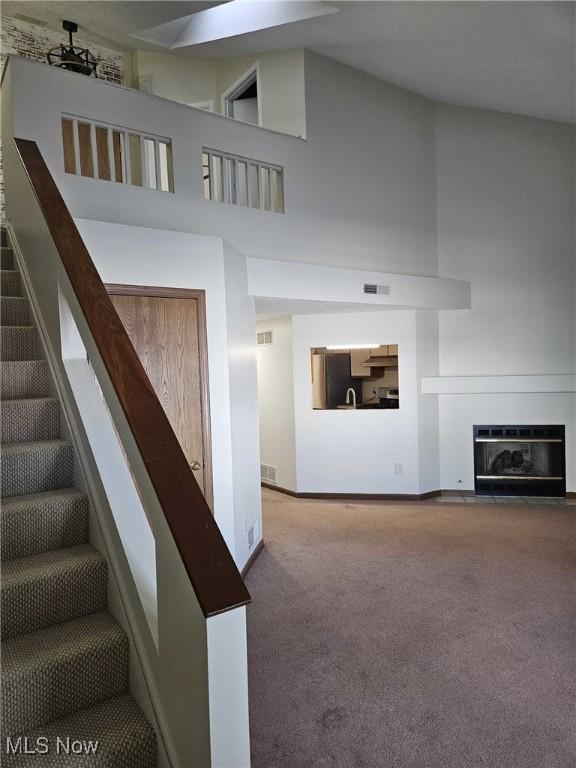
x: 168, y: 334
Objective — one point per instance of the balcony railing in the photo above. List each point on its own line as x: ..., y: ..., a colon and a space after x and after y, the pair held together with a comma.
x: 242, y: 181
x: 110, y: 153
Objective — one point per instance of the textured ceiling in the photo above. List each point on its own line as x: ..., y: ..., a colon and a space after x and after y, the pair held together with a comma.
x: 509, y: 56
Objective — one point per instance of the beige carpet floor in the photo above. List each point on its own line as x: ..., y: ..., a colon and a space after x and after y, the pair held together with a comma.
x: 413, y: 636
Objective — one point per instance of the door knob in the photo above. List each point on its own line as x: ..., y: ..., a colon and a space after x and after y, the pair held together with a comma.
x: 195, y: 466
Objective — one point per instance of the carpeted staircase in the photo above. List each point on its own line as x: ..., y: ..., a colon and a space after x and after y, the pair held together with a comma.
x: 64, y: 658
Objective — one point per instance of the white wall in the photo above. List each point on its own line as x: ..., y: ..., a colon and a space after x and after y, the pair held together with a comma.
x: 243, y: 384
x: 143, y: 256
x: 281, y: 88
x: 180, y: 78
x: 370, y: 170
x: 268, y: 278
x: 427, y: 338
x: 363, y: 183
x: 276, y: 401
x: 371, y: 209
x: 386, y: 182
x: 190, y: 80
x: 458, y: 414
x: 356, y: 451
x: 505, y: 195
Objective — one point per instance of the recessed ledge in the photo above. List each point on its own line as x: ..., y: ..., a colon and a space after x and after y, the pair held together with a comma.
x: 483, y: 385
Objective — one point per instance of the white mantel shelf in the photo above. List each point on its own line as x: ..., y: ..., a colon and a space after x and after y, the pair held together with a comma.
x: 474, y: 385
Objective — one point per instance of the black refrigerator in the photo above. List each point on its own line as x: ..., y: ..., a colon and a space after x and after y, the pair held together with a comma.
x: 331, y: 379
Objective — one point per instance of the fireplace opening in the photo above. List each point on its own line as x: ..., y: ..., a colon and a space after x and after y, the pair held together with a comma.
x: 527, y: 460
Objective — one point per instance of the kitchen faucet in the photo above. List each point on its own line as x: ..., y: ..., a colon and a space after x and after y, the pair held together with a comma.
x: 353, y: 397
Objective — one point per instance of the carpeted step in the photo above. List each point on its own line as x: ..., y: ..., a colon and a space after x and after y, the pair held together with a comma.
x: 30, y: 420
x: 10, y: 283
x: 65, y: 661
x: 125, y: 738
x: 49, y: 674
x: 51, y: 587
x: 42, y: 522
x: 14, y: 310
x: 36, y: 467
x: 24, y: 378
x: 6, y: 258
x: 20, y: 342
x: 3, y: 237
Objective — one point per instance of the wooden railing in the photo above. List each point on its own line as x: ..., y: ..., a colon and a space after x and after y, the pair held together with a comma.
x: 215, y: 579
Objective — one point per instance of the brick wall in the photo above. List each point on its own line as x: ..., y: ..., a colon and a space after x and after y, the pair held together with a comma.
x: 33, y: 42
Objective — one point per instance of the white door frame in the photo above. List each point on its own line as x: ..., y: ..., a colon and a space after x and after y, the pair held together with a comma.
x: 232, y: 90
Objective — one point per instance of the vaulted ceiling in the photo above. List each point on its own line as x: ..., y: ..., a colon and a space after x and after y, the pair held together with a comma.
x: 510, y: 56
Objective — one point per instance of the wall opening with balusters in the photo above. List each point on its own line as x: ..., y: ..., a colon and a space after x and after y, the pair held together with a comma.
x: 111, y: 153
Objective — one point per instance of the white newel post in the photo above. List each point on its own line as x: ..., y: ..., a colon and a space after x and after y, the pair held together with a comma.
x: 228, y: 690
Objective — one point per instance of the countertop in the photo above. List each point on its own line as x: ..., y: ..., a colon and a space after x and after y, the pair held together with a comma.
x: 385, y: 405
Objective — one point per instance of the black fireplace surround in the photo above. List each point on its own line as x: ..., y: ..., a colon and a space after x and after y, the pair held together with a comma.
x: 525, y: 460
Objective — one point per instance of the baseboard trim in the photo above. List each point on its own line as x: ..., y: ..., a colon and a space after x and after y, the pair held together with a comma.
x: 280, y: 489
x: 252, y: 559
x: 354, y: 496
x: 379, y: 496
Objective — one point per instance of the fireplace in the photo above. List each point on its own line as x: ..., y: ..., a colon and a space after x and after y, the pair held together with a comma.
x: 520, y: 460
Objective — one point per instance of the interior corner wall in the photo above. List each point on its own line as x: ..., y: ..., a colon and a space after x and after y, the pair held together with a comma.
x: 356, y: 451
x: 179, y: 78
x: 276, y: 401
x: 243, y: 387
x: 505, y: 199
x: 426, y: 333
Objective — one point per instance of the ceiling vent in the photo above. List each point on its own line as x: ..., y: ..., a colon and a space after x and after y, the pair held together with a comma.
x: 376, y: 290
x: 264, y: 338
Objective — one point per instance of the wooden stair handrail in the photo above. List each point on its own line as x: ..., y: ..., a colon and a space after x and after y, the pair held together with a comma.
x: 213, y: 574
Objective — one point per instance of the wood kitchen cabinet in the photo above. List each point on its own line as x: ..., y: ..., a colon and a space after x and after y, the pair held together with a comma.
x: 384, y: 356
x: 381, y: 351
x: 358, y: 358
x: 370, y: 363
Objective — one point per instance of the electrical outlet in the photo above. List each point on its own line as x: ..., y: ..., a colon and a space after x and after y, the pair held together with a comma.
x: 398, y: 469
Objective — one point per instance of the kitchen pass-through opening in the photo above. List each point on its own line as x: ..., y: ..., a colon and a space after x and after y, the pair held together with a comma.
x: 356, y: 377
